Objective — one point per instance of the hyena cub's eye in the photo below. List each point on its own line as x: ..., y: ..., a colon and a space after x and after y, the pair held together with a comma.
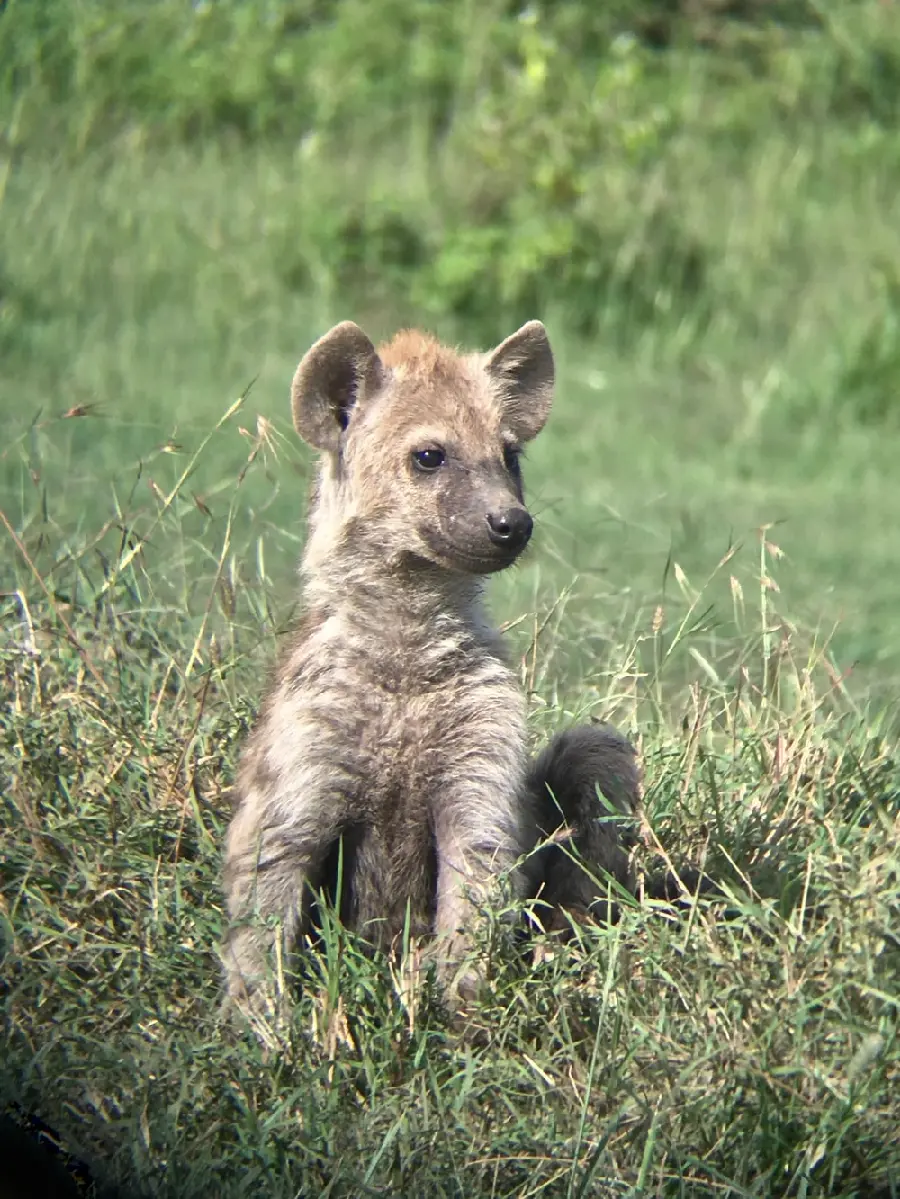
x: 429, y: 460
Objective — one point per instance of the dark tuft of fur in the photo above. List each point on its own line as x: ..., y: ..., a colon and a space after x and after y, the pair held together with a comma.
x: 681, y: 886
x: 586, y: 792
x: 588, y: 838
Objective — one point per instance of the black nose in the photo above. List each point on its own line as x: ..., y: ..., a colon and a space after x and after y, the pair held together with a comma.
x: 510, y: 528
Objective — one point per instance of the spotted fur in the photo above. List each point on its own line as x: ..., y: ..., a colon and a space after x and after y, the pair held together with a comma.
x: 391, y: 749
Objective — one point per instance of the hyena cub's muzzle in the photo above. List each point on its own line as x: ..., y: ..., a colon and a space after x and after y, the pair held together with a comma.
x: 479, y: 525
x: 481, y: 538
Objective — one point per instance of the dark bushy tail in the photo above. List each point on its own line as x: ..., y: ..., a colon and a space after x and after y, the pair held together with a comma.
x: 590, y: 840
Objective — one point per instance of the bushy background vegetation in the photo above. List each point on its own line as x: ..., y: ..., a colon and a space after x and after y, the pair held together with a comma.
x: 702, y: 200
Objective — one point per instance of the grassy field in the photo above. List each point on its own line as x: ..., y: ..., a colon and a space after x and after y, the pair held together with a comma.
x: 716, y: 568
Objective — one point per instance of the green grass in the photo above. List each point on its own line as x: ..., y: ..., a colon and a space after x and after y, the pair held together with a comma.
x: 715, y: 568
x: 693, y: 1054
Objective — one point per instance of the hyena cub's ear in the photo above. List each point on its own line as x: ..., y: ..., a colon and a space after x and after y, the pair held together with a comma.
x: 334, y: 375
x: 521, y: 370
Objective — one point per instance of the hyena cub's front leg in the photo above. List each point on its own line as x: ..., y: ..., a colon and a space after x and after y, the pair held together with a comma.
x: 478, y: 841
x: 589, y: 839
x: 275, y: 851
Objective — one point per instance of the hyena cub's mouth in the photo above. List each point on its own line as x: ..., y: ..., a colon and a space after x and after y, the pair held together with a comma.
x: 486, y: 559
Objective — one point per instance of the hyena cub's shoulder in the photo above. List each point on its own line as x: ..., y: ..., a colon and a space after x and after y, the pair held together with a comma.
x: 393, y: 740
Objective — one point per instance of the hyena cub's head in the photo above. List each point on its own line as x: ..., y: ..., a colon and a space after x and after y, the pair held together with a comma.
x: 421, y: 445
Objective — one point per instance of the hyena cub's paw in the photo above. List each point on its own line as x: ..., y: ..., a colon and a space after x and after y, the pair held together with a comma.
x: 458, y: 972
x: 255, y: 992
x: 261, y: 1009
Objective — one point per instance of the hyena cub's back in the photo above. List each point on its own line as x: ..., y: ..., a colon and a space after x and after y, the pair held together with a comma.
x: 391, y: 749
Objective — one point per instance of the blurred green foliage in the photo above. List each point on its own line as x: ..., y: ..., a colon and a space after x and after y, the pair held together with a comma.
x: 544, y: 137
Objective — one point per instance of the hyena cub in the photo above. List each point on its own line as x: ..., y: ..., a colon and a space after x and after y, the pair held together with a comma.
x: 391, y: 749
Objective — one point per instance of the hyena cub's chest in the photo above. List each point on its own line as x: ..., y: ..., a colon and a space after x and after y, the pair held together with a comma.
x: 418, y: 738
x: 392, y: 768
x: 417, y: 747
